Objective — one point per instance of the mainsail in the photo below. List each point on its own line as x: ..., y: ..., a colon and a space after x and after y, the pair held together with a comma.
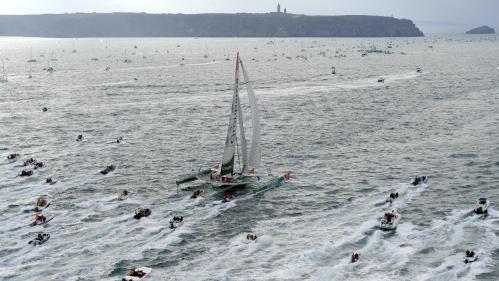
x: 255, y: 156
x: 227, y: 166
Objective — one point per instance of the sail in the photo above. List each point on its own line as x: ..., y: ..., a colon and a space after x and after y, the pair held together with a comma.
x: 255, y: 156
x: 227, y: 166
x: 244, y: 146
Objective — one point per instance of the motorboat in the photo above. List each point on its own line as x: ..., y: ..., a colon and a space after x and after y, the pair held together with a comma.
x: 420, y: 180
x: 392, y: 197
x: 381, y: 80
x: 481, y: 206
x: 470, y: 256
x: 137, y: 274
x: 390, y: 220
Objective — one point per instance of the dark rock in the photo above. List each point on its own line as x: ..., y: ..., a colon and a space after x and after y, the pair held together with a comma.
x: 482, y: 30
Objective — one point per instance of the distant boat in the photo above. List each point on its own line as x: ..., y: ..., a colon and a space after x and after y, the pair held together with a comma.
x: 52, y: 58
x: 127, y: 60
x: 94, y: 59
x: 205, y: 51
x: 31, y: 59
x: 3, y: 78
x: 381, y: 80
x: 419, y: 70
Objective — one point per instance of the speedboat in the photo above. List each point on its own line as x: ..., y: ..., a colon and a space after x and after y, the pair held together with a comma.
x: 108, y: 169
x: 176, y: 222
x: 40, y: 240
x: 392, y: 197
x: 123, y: 195
x: 381, y: 80
x: 390, y: 220
x: 420, y: 180
x: 419, y: 70
x: 470, y: 256
x: 13, y: 157
x: 482, y: 206
x: 141, y: 213
x: 137, y: 274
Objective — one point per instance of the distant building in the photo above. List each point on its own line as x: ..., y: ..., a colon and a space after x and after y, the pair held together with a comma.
x: 278, y: 8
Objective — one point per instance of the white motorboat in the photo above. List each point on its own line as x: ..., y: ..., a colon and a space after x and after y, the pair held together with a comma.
x: 390, y: 220
x: 481, y: 206
x: 137, y: 274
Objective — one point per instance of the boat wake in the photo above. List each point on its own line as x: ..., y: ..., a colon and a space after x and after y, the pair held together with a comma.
x: 373, y: 82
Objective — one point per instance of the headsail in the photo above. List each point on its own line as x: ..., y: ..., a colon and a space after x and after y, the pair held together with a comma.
x: 255, y: 156
x: 231, y: 140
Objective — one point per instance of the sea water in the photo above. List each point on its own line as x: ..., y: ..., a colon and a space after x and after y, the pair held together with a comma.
x: 348, y: 140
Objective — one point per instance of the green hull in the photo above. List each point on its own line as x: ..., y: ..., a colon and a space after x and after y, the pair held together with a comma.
x: 275, y: 182
x: 193, y: 177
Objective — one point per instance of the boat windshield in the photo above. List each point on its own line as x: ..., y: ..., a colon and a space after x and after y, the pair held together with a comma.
x: 482, y: 200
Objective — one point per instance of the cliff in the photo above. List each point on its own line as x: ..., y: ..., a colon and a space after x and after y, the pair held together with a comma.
x: 204, y: 25
x: 482, y: 30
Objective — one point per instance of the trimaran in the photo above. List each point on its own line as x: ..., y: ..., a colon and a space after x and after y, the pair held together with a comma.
x: 224, y: 175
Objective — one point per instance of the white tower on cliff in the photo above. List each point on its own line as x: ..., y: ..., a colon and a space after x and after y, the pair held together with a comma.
x: 278, y: 8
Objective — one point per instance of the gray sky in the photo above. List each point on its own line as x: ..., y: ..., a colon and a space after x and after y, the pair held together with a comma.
x: 457, y: 14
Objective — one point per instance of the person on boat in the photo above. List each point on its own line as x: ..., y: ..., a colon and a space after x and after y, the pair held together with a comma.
x: 40, y: 202
x: 39, y: 237
x: 251, y: 236
x: 119, y: 139
x: 416, y: 181
x: 79, y: 138
x: 39, y: 218
x: 355, y: 257
x: 228, y: 198
x: 388, y: 217
x: 29, y: 162
x: 48, y: 180
x: 39, y: 165
x: 470, y: 254
x: 197, y: 193
x: 124, y: 193
x: 136, y: 273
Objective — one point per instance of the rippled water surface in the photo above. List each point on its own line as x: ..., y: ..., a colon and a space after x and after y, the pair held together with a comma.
x: 348, y: 140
